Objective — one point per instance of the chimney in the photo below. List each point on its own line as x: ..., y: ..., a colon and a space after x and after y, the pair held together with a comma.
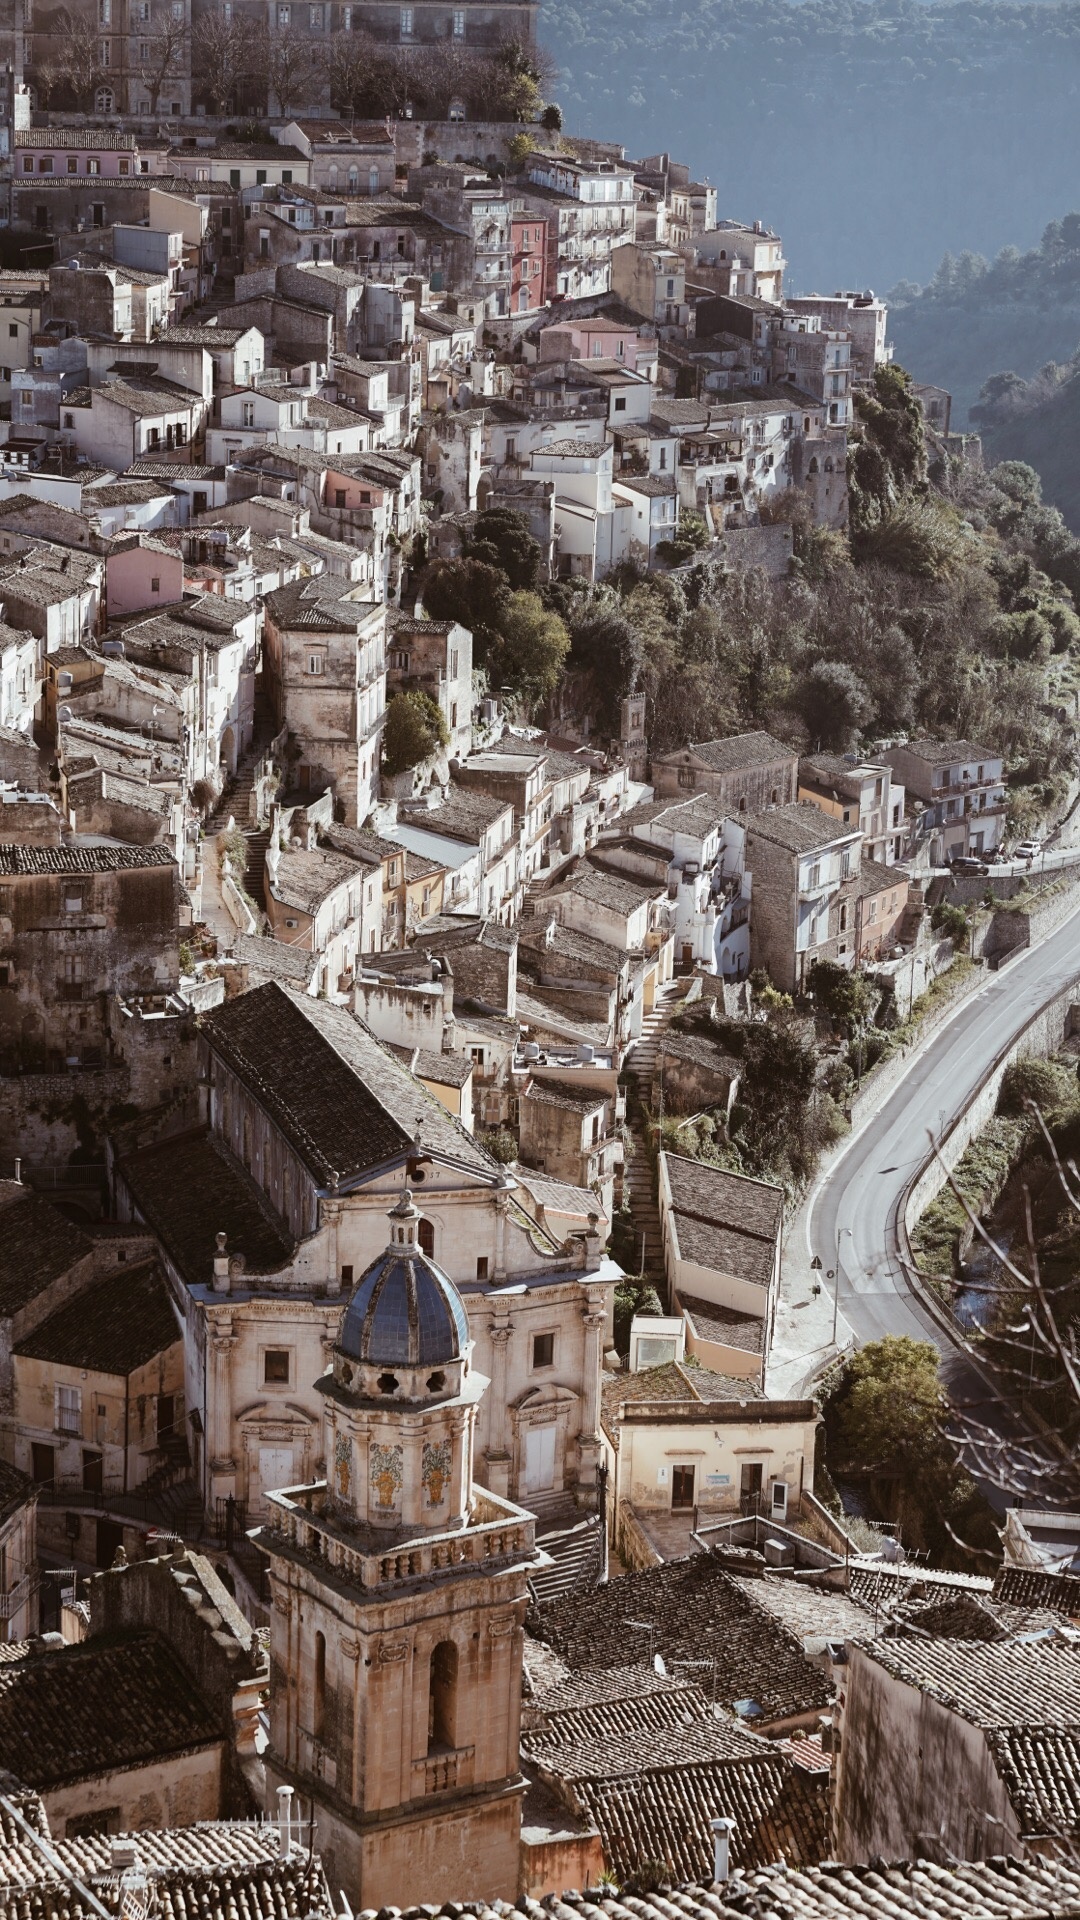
x: 221, y: 1266
x: 722, y: 1831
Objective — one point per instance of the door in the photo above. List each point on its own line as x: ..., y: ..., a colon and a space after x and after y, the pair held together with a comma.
x: 110, y: 1537
x: 166, y: 1416
x: 42, y: 1464
x: 275, y: 1468
x: 750, y: 1488
x: 539, y: 1459
x: 92, y: 1473
x: 682, y: 1488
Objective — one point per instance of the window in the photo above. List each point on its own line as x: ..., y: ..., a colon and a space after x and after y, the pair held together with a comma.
x: 93, y: 167
x: 425, y: 1234
x: 105, y: 13
x: 346, y: 19
x: 442, y: 1697
x: 249, y: 413
x: 166, y: 1415
x: 543, y: 1350
x: 315, y: 18
x: 286, y: 176
x: 73, y: 903
x: 68, y: 1410
x: 283, y: 16
x: 459, y: 23
x: 45, y: 163
x: 69, y: 419
x: 155, y: 583
x: 276, y: 1367
x: 347, y: 1274
x: 620, y: 406
x: 92, y: 1472
x: 27, y: 397
x: 104, y: 60
x: 339, y: 496
x: 234, y: 176
x: 406, y: 22
x: 481, y: 1266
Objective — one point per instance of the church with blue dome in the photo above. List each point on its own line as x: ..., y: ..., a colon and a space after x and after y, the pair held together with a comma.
x: 399, y: 1593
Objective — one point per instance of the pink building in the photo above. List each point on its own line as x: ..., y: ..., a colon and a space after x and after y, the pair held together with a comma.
x: 84, y: 152
x: 597, y: 338
x: 143, y: 576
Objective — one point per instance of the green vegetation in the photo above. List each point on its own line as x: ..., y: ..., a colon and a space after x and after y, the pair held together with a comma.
x: 414, y: 730
x: 519, y: 641
x: 632, y: 1297
x: 886, y: 1415
x: 501, y: 1144
x: 980, y: 1175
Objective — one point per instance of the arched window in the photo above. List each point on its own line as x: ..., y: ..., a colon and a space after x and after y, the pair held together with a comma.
x: 813, y: 467
x: 442, y: 1696
x: 103, y: 100
x: 319, y: 1716
x: 354, y: 178
x: 332, y: 177
x: 373, y: 180
x: 425, y: 1233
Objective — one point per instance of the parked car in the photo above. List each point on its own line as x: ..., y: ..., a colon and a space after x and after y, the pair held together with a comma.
x: 967, y: 863
x: 1027, y: 850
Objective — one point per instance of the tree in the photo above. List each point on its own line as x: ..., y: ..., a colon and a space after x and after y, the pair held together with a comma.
x: 840, y: 992
x: 472, y: 592
x: 220, y: 56
x: 348, y: 62
x: 502, y: 539
x: 834, y: 704
x: 166, y: 44
x: 891, y: 1410
x: 413, y: 731
x: 290, y: 64
x: 552, y: 118
x: 533, y: 648
x: 78, y: 61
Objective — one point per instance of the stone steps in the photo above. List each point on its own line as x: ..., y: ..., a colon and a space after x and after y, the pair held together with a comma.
x: 577, y: 1552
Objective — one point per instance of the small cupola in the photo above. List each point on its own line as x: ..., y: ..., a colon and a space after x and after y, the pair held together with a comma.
x: 404, y: 1334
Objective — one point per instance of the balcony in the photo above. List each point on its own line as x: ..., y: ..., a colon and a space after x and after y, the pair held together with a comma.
x: 501, y: 1532
x: 441, y: 1772
x: 16, y: 1597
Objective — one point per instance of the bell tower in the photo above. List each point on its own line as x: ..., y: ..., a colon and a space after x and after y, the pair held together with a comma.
x: 399, y: 1596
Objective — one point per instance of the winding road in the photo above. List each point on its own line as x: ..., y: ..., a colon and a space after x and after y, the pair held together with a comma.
x: 852, y: 1221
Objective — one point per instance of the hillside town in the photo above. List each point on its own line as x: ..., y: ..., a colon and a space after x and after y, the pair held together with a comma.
x: 471, y: 1430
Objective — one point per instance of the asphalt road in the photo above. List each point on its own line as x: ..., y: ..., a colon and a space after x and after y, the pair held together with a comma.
x: 851, y: 1225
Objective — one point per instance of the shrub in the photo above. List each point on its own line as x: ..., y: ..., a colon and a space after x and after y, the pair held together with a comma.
x: 1048, y: 1085
x: 414, y: 730
x: 501, y: 1145
x: 950, y: 921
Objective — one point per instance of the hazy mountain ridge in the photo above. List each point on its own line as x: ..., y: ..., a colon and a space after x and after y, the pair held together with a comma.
x: 871, y: 134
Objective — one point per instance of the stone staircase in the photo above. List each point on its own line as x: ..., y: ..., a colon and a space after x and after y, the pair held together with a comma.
x: 914, y: 917
x: 638, y: 1173
x: 237, y: 803
x: 577, y: 1549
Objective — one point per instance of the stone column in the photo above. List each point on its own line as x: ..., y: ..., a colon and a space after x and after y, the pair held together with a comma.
x: 498, y: 1456
x: 221, y: 1459
x: 593, y: 1317
x: 331, y: 1215
x: 349, y: 1782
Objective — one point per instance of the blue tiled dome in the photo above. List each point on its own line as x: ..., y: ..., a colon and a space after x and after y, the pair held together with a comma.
x: 405, y: 1312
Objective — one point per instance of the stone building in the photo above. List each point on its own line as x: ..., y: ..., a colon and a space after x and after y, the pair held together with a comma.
x: 723, y: 1236
x: 434, y: 657
x: 860, y: 792
x: 312, y: 1125
x: 977, y: 1735
x: 19, y: 1576
x: 805, y: 867
x: 99, y: 1386
x: 84, y: 923
x: 746, y: 772
x: 399, y: 1599
x: 962, y: 789
x: 325, y: 667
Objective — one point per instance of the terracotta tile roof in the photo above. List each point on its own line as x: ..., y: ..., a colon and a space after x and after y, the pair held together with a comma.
x: 739, y: 752
x: 677, y: 1383
x: 116, y: 1702
x: 696, y: 1611
x: 1026, y: 1587
x: 462, y: 815
x: 306, y: 877
x: 76, y: 859
x: 343, y: 1103
x: 572, y: 1098
x: 724, y: 1325
x: 188, y: 1189
x: 1003, y: 1687
x: 114, y: 1327
x: 1040, y: 1770
x: 37, y: 1245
